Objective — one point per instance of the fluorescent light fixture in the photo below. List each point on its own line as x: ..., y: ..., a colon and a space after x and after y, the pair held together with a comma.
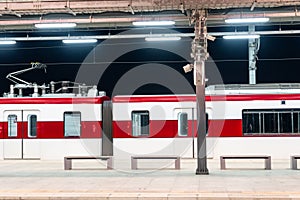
x: 232, y: 37
x: 247, y: 20
x: 153, y: 23
x: 3, y: 42
x: 74, y: 41
x: 153, y: 39
x: 56, y: 25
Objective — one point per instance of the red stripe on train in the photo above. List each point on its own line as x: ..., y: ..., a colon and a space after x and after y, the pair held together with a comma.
x: 169, y: 129
x: 240, y: 97
x: 126, y: 99
x: 42, y: 100
x: 225, y: 128
x: 53, y: 130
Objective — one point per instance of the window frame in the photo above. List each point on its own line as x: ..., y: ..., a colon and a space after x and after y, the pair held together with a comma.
x: 278, y: 122
x: 140, y: 126
x: 70, y: 113
x: 179, y: 133
x: 9, y: 127
x: 29, y: 123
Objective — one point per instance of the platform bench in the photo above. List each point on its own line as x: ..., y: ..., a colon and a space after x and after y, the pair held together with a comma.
x: 135, y: 158
x: 68, y: 160
x: 294, y: 161
x: 266, y: 158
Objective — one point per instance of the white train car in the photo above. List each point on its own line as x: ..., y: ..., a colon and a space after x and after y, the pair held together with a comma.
x: 51, y: 121
x: 255, y: 119
x: 50, y: 126
x: 242, y: 119
x: 151, y: 125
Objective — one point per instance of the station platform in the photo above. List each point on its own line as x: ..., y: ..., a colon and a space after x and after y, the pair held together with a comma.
x: 38, y: 179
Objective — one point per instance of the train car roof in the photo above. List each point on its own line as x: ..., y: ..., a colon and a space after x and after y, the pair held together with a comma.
x: 154, y: 98
x: 265, y: 88
x: 231, y: 92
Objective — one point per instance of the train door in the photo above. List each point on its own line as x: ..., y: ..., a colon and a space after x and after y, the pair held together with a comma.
x: 107, y: 137
x: 21, y: 135
x: 185, y: 131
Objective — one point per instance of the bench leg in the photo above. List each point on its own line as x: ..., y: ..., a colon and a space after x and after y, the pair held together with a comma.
x: 222, y: 163
x: 177, y: 163
x: 110, y: 163
x: 133, y: 163
x: 268, y: 163
x: 67, y: 164
x: 293, y: 163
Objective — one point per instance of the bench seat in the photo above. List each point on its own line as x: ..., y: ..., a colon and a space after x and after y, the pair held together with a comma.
x: 154, y: 157
x: 68, y: 160
x: 265, y: 157
x: 294, y: 161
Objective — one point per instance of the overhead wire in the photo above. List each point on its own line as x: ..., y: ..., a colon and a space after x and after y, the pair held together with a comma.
x: 146, y: 61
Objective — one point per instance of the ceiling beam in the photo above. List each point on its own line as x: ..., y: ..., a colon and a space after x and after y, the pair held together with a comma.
x: 41, y: 7
x: 83, y: 12
x: 88, y: 21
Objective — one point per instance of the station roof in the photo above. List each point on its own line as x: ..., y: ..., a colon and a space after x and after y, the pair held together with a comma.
x: 23, y: 14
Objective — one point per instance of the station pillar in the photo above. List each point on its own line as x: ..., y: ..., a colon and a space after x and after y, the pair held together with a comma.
x: 199, y: 54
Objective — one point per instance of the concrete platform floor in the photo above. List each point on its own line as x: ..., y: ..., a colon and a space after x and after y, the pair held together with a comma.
x: 35, y: 179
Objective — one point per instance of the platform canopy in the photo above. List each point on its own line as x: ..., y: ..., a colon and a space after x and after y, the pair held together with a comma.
x: 23, y: 14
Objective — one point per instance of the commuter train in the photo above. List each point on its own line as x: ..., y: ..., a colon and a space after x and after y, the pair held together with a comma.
x: 241, y: 119
x: 75, y: 119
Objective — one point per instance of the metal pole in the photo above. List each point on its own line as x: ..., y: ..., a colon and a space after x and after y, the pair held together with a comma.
x: 252, y: 50
x: 199, y: 53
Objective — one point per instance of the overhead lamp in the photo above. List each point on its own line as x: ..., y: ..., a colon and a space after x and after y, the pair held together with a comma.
x: 5, y: 42
x: 55, y: 25
x: 154, y: 39
x: 153, y: 23
x: 253, y: 5
x: 247, y: 20
x: 79, y: 41
x: 188, y: 67
x: 249, y: 36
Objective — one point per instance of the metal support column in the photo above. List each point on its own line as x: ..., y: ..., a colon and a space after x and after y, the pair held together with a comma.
x: 253, y: 47
x: 199, y: 53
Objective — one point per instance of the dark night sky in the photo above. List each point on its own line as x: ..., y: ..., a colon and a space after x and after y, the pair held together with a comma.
x: 274, y: 62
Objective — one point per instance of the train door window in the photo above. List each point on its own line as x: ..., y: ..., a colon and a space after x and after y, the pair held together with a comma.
x: 207, y: 124
x: 270, y: 122
x: 12, y: 125
x: 251, y: 123
x: 285, y: 122
x: 140, y: 123
x: 182, y: 124
x: 32, y: 124
x: 72, y: 124
x: 296, y: 122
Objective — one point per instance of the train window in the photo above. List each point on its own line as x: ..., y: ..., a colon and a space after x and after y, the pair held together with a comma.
x: 264, y: 122
x: 72, y: 124
x: 296, y: 122
x: 251, y: 123
x: 140, y: 123
x: 182, y: 124
x: 32, y: 123
x: 270, y: 122
x: 285, y: 122
x: 12, y: 125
